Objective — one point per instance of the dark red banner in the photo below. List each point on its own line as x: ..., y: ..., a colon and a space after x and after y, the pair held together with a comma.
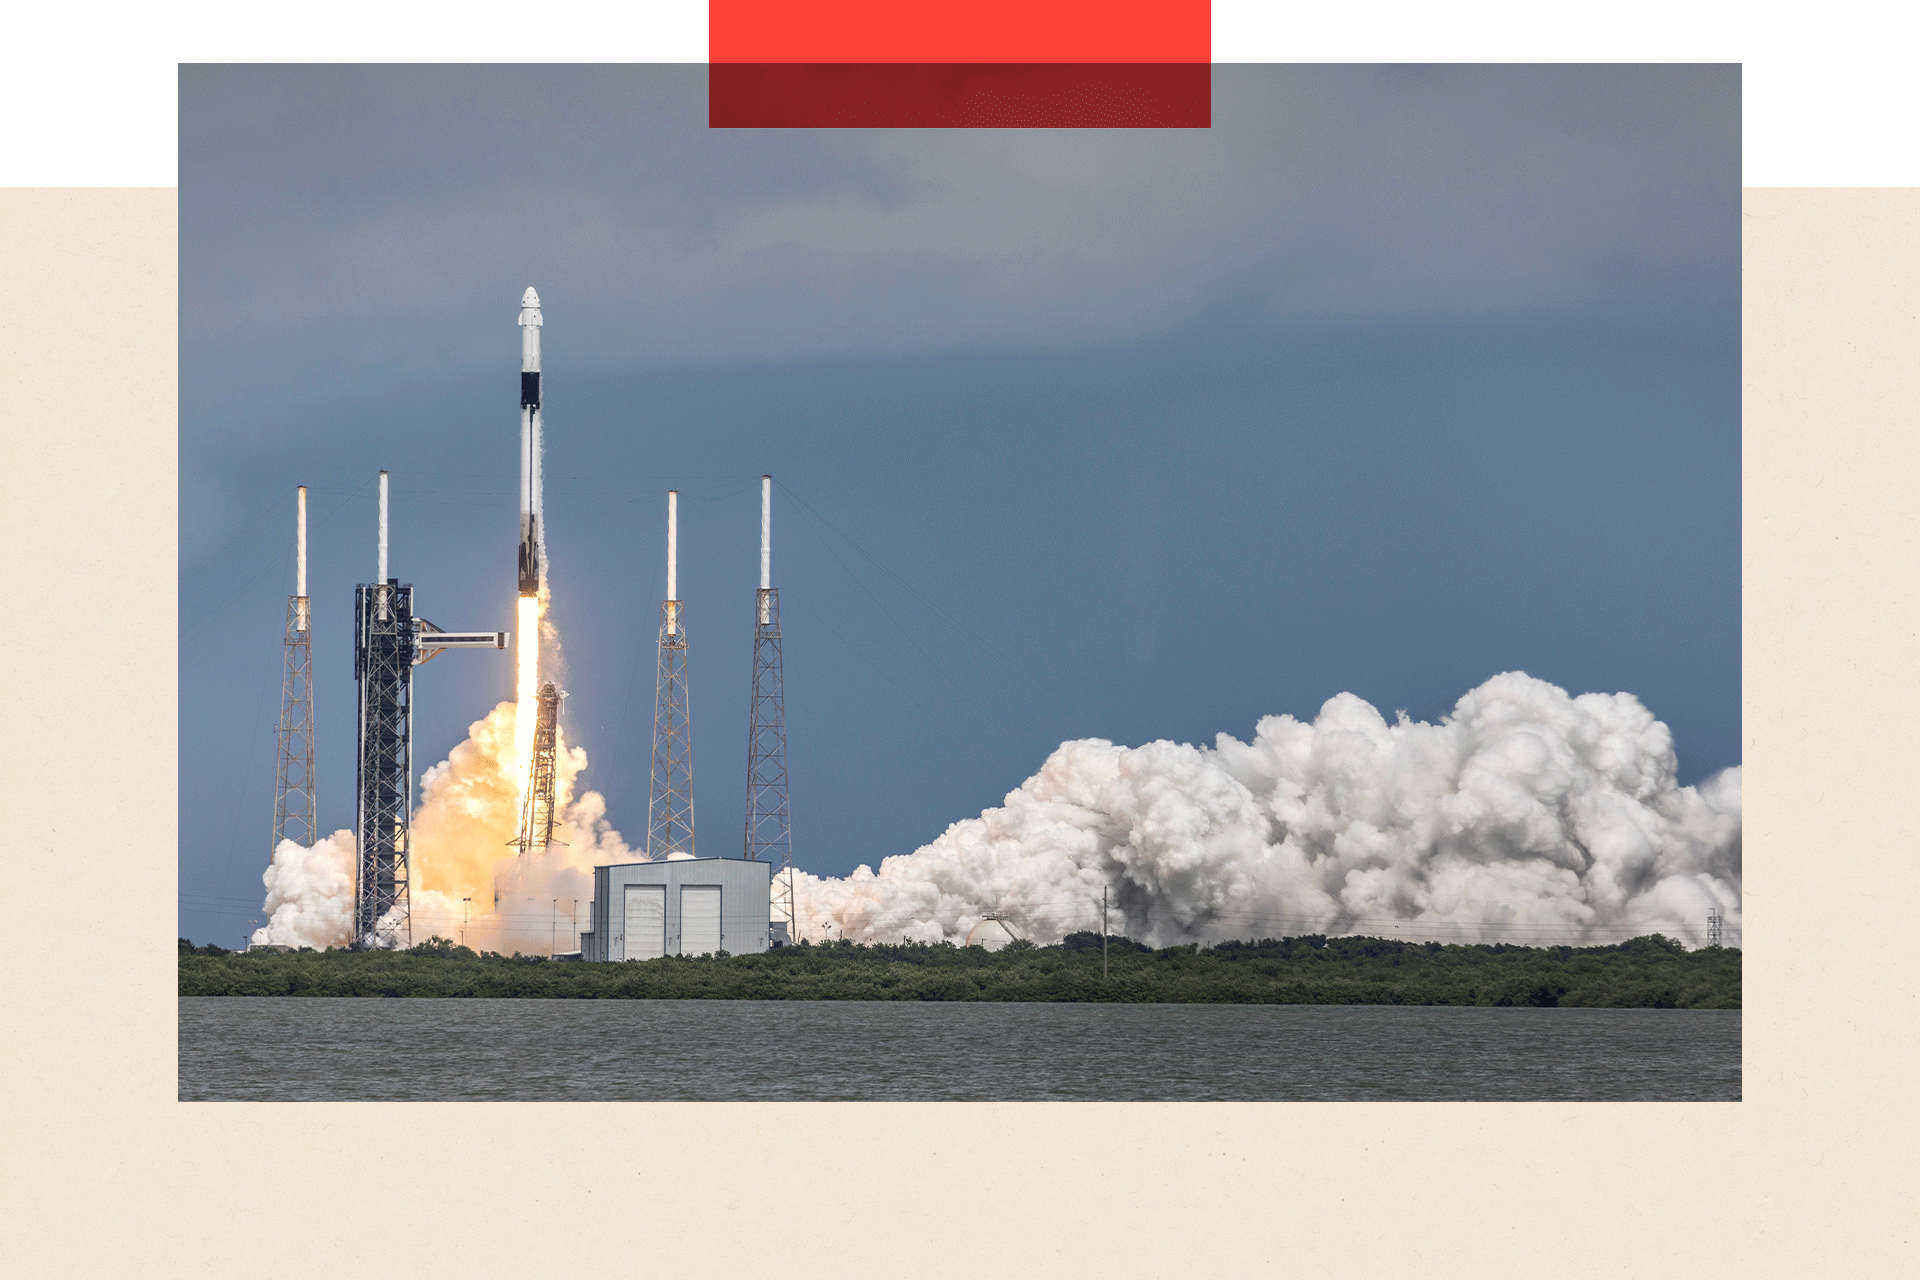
x: 878, y: 95
x: 1117, y: 31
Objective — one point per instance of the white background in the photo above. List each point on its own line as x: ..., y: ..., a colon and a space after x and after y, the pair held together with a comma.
x: 1829, y: 90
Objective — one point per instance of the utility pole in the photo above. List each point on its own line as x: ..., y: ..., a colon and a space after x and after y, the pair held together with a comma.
x: 553, y: 928
x: 463, y: 920
x: 1103, y: 935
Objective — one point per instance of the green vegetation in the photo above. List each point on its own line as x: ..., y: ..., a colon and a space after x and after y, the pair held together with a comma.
x: 1649, y: 972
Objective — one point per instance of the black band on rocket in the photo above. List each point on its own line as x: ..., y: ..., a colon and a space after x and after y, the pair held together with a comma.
x: 530, y: 390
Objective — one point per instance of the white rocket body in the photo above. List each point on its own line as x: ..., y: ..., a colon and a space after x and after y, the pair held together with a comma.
x: 533, y: 549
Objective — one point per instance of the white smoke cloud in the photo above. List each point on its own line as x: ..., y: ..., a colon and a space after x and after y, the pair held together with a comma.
x: 469, y: 813
x: 469, y: 881
x: 1524, y: 816
x: 309, y: 893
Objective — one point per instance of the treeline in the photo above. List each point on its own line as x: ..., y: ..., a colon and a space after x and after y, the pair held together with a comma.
x: 1649, y: 972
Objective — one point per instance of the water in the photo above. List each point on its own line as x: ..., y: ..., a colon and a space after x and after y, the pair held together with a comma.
x: 590, y: 1050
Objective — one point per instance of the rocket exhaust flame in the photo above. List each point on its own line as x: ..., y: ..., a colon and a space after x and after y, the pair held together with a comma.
x: 526, y: 688
x: 469, y: 883
x: 1524, y: 816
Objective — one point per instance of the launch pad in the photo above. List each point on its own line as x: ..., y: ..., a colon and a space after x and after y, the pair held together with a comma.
x: 390, y: 640
x: 388, y: 643
x: 383, y: 655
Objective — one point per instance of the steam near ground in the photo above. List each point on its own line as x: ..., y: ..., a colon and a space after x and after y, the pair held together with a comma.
x: 469, y: 882
x: 1524, y: 816
x: 309, y: 893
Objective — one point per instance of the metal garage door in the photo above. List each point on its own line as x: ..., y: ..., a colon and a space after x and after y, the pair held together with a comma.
x: 646, y: 934
x: 699, y: 919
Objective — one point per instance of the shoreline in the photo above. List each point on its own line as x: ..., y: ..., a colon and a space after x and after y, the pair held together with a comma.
x: 1651, y: 972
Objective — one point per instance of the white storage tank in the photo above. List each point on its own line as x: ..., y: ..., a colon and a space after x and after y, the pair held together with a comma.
x: 680, y: 907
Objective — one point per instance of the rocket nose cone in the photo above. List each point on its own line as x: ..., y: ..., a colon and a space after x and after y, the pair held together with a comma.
x: 529, y: 298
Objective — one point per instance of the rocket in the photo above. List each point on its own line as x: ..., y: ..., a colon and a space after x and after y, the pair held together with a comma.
x: 532, y: 538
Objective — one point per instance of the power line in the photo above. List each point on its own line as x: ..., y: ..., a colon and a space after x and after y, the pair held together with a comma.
x: 245, y: 529
x: 286, y: 553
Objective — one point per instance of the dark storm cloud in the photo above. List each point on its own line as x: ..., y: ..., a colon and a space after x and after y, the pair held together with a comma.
x: 347, y: 228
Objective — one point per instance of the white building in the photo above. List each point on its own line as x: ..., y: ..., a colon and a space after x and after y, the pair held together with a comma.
x: 679, y: 907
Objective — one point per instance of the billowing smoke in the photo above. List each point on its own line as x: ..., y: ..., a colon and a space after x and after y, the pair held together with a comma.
x: 1524, y: 816
x: 468, y: 879
x: 309, y: 893
x: 469, y: 812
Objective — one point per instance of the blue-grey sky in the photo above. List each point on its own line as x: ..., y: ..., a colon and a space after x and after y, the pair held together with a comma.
x: 1394, y: 379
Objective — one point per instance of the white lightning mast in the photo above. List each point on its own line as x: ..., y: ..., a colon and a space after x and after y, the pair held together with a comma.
x: 293, y: 813
x: 769, y: 824
x: 670, y: 797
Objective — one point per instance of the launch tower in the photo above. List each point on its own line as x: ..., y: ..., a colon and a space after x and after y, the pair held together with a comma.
x: 388, y: 643
x: 383, y: 664
x: 769, y: 827
x: 293, y: 811
x: 536, y: 816
x: 670, y: 795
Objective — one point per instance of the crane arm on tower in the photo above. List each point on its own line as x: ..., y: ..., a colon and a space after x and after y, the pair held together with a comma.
x: 430, y: 640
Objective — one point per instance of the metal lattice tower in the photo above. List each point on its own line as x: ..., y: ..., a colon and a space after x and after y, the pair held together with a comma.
x: 536, y: 816
x: 670, y: 804
x: 293, y: 810
x: 1714, y: 922
x: 383, y: 656
x: 670, y: 794
x: 388, y: 642
x: 769, y: 824
x: 767, y: 821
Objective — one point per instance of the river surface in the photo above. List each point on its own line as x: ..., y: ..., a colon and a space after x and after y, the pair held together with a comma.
x: 310, y: 1049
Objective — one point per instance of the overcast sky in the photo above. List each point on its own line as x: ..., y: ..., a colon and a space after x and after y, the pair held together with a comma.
x: 1394, y: 379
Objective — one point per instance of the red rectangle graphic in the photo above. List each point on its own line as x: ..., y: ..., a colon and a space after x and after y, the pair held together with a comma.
x: 1070, y: 95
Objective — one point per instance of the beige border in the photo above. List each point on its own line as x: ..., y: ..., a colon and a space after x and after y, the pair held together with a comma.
x: 106, y: 1175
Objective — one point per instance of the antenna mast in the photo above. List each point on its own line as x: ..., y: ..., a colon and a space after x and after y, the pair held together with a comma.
x: 670, y: 795
x: 769, y: 823
x: 293, y: 810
